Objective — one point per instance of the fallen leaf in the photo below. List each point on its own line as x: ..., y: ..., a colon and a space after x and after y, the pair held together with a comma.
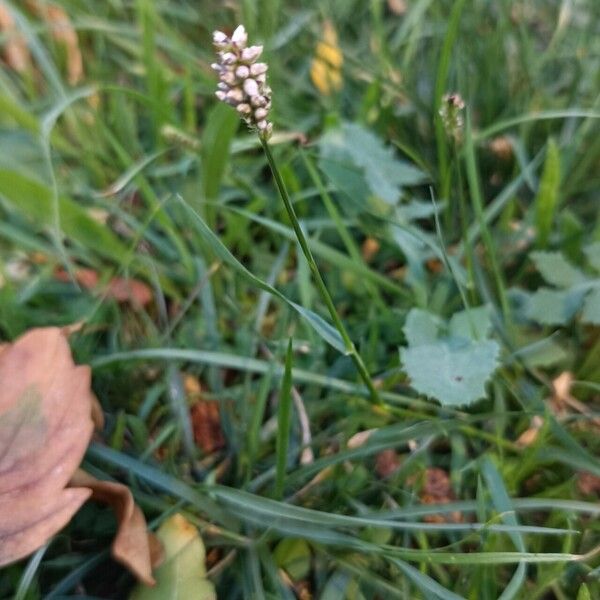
x: 588, y: 483
x: 326, y: 68
x: 528, y: 437
x: 16, y: 52
x: 182, y: 575
x: 564, y: 403
x: 398, y: 7
x: 206, y: 424
x: 360, y: 439
x: 370, y: 248
x: 501, y: 148
x: 45, y: 428
x: 387, y: 463
x: 131, y: 291
x: 131, y: 546
x: 63, y: 32
x: 437, y: 489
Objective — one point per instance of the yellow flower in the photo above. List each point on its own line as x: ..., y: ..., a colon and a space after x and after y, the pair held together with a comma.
x: 326, y: 68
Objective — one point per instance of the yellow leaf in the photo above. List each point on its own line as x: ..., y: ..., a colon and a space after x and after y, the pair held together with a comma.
x: 325, y: 70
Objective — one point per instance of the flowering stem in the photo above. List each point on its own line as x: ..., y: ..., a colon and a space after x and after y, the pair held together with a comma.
x: 348, y: 344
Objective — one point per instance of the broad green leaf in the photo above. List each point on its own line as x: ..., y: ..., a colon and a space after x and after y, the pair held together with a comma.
x: 453, y: 372
x: 182, y: 574
x: 452, y: 369
x: 365, y: 154
x: 473, y: 323
x: 421, y: 327
x: 547, y: 197
x: 294, y: 556
x: 553, y: 307
x: 556, y: 269
x: 591, y: 307
x: 593, y: 255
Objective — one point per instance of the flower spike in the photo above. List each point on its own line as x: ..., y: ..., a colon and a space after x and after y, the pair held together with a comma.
x: 242, y: 80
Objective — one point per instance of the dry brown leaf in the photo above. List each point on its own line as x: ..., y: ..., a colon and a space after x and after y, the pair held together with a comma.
x: 528, y: 437
x: 588, y: 483
x: 437, y: 489
x: 563, y: 402
x: 206, y: 423
x: 360, y: 439
x: 131, y: 546
x: 370, y: 248
x: 387, y: 463
x: 501, y: 148
x: 398, y: 7
x: 16, y: 52
x: 131, y: 291
x: 64, y: 33
x: 45, y: 428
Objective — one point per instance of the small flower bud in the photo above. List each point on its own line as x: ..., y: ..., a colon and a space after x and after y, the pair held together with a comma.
x: 228, y: 58
x: 262, y: 125
x: 257, y: 101
x: 251, y: 87
x: 235, y: 95
x: 452, y: 119
x: 260, y: 114
x: 239, y: 37
x: 221, y: 95
x: 244, y: 109
x: 216, y: 67
x: 258, y: 69
x: 252, y: 53
x: 242, y: 72
x: 219, y: 38
x: 228, y: 77
x: 222, y: 86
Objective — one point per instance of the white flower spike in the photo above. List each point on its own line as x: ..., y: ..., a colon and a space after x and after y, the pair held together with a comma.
x: 242, y: 80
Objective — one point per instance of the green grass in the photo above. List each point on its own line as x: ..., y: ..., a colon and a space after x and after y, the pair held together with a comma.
x: 137, y: 172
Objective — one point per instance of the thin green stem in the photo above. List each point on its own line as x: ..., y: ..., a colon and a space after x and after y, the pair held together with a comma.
x: 318, y: 279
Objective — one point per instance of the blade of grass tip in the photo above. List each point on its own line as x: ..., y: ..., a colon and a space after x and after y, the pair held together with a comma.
x: 284, y: 420
x: 256, y: 419
x: 322, y: 327
x: 503, y: 505
x: 425, y: 583
x: 349, y: 347
x: 29, y: 573
x: 477, y: 201
x: 548, y: 195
